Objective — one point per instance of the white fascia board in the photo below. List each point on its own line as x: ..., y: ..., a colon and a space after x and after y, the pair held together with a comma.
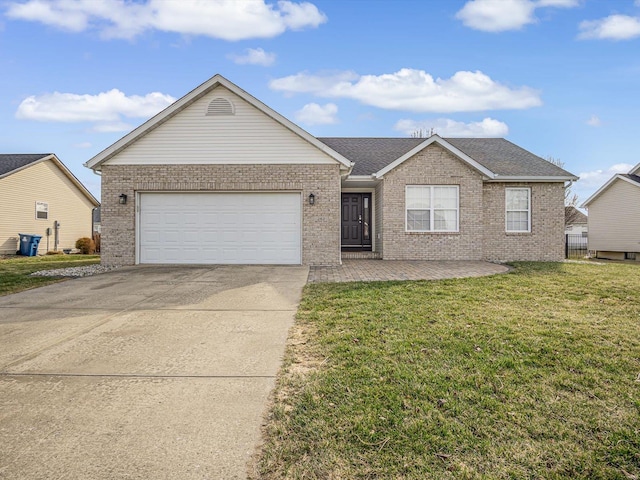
x: 635, y: 170
x: 443, y: 143
x: 361, y: 178
x: 602, y: 189
x: 531, y: 179
x: 180, y: 104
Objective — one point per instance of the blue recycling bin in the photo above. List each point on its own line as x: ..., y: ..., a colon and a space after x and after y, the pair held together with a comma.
x: 29, y: 244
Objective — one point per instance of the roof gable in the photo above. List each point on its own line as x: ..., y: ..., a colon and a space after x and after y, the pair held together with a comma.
x: 192, y: 97
x: 626, y: 177
x: 13, y: 163
x: 443, y: 143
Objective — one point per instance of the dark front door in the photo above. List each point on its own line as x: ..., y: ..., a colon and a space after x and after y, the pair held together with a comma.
x: 356, y: 221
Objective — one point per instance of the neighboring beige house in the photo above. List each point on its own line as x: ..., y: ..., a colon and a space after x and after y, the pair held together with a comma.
x: 219, y: 177
x: 36, y: 191
x: 614, y: 223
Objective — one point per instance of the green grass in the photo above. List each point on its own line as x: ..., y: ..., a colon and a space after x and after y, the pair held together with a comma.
x: 532, y: 374
x: 15, y: 271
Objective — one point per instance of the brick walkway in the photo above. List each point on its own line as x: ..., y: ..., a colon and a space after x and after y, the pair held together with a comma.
x: 380, y: 270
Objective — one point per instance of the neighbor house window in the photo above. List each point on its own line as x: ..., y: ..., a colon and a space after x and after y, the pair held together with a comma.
x: 432, y: 208
x: 518, y: 209
x: 42, y: 210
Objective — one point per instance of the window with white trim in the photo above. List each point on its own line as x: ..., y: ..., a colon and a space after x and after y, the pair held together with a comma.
x: 518, y: 209
x: 431, y: 208
x: 42, y: 210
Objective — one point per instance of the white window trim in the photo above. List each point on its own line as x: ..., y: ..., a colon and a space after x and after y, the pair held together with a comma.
x: 431, y: 216
x: 46, y: 210
x: 506, y: 221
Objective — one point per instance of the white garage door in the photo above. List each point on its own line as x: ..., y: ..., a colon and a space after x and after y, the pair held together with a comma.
x: 198, y: 228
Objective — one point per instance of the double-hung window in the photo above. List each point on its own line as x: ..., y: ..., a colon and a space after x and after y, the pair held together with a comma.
x: 431, y: 208
x: 518, y: 209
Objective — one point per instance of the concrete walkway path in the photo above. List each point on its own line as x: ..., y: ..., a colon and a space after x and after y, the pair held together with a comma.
x: 142, y: 373
x: 380, y: 270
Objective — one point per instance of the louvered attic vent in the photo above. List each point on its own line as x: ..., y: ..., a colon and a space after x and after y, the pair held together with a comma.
x: 220, y: 106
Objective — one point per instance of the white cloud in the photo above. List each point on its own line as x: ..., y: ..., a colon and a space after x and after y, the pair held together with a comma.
x: 83, y: 145
x: 597, y: 178
x: 110, y: 127
x: 317, y: 84
x: 503, y: 15
x: 414, y: 90
x: 225, y: 19
x: 558, y: 3
x: 254, y: 56
x: 613, y: 27
x: 314, y: 114
x: 594, y: 121
x: 105, y: 109
x: 446, y: 127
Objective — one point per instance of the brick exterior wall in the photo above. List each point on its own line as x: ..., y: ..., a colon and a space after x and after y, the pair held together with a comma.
x: 482, y: 231
x: 320, y: 222
x: 546, y: 240
x: 433, y: 166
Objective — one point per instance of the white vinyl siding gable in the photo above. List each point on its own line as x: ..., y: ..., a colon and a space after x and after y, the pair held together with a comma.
x: 614, y: 223
x: 248, y: 136
x: 518, y: 210
x: 431, y: 208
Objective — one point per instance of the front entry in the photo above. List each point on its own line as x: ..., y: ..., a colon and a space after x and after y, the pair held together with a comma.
x: 356, y: 221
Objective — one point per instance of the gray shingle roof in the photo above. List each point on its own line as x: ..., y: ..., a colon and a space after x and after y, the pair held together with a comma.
x: 371, y: 154
x: 14, y: 161
x: 572, y: 216
x: 635, y: 178
x: 496, y: 154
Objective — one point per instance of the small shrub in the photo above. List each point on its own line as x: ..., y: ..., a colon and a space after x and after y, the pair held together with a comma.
x: 55, y: 252
x: 85, y: 245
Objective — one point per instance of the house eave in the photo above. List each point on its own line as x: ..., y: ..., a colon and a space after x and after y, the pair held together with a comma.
x: 531, y: 179
x: 360, y: 181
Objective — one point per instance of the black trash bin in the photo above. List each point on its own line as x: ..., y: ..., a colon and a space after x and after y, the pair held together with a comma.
x: 29, y: 244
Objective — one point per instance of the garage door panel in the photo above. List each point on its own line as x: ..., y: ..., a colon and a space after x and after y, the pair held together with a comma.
x: 259, y: 228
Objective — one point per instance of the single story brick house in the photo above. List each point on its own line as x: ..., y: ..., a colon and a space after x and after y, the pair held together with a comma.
x: 219, y: 177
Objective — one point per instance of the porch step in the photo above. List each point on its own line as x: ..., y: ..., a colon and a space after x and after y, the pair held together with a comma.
x: 361, y: 255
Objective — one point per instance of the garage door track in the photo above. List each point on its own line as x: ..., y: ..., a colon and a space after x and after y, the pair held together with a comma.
x: 143, y: 372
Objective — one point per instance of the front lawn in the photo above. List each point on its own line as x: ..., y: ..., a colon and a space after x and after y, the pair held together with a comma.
x: 531, y: 374
x: 15, y: 271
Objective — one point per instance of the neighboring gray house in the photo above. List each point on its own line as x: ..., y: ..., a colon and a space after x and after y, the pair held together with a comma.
x: 614, y: 223
x: 575, y: 222
x: 219, y: 177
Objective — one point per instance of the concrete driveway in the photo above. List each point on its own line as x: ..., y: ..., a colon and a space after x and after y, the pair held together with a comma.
x: 145, y: 372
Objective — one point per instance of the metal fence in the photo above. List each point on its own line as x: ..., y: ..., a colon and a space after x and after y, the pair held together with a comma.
x: 575, y: 246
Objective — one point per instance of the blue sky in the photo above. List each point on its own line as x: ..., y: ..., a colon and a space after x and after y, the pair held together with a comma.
x: 560, y: 78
